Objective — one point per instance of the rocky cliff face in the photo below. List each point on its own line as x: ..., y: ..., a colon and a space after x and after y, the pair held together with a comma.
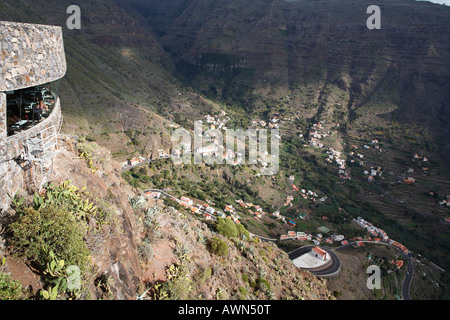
x: 280, y: 36
x: 114, y: 250
x: 319, y: 53
x: 140, y: 250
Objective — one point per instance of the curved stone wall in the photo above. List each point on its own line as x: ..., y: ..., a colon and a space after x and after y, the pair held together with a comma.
x: 30, y: 55
x: 15, y: 142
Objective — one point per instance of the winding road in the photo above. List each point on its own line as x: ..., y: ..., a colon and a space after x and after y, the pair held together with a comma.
x: 407, y: 256
x: 160, y: 191
x: 331, y: 269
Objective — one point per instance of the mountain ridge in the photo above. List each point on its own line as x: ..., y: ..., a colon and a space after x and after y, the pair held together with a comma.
x: 138, y: 66
x: 285, y: 45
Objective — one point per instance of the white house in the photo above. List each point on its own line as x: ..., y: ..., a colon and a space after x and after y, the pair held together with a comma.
x: 302, y: 236
x: 154, y: 195
x: 319, y: 253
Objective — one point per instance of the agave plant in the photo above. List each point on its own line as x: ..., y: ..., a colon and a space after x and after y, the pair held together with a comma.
x: 137, y: 202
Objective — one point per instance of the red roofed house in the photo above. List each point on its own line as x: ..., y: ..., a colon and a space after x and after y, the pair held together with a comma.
x: 154, y: 195
x: 242, y: 204
x: 208, y: 216
x: 194, y: 210
x: 319, y: 253
x: 187, y: 200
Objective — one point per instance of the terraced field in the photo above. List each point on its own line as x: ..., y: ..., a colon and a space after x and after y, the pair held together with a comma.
x: 411, y: 214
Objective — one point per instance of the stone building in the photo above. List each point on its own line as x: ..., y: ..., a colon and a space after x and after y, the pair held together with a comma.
x: 32, y: 58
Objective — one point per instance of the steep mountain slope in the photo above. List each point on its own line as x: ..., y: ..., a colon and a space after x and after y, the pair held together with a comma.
x: 118, y: 75
x: 152, y: 250
x: 316, y: 61
x: 276, y: 48
x: 118, y: 78
x: 137, y: 65
x: 316, y: 53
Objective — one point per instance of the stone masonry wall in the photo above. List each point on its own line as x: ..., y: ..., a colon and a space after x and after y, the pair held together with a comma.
x: 3, y: 132
x: 30, y: 54
x: 13, y: 174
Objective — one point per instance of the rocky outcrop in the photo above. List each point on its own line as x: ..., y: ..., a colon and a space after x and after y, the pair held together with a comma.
x: 251, y: 270
x: 113, y: 252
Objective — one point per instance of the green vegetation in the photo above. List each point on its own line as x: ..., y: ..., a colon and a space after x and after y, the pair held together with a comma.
x: 11, y: 289
x: 54, y: 232
x: 61, y: 280
x: 76, y: 201
x: 85, y: 150
x: 36, y: 233
x: 230, y: 229
x: 226, y: 227
x: 178, y: 285
x: 203, y: 275
x: 219, y: 247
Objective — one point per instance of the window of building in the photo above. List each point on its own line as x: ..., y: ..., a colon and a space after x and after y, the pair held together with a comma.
x: 27, y: 107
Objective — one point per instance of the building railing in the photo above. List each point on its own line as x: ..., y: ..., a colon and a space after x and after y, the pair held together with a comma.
x: 15, y: 142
